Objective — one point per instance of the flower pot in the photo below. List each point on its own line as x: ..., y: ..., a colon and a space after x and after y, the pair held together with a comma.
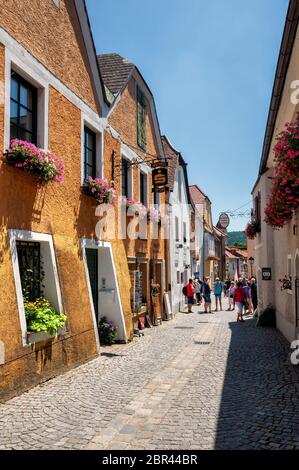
x: 34, y: 337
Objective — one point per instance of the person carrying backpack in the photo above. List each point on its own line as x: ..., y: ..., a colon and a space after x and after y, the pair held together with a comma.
x: 189, y: 289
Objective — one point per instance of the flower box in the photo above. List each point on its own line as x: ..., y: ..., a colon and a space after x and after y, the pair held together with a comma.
x: 45, y: 165
x: 34, y: 337
x: 99, y: 189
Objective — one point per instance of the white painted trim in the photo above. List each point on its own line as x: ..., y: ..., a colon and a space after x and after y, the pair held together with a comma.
x: 91, y: 54
x: 15, y: 235
x: 98, y: 130
x: 30, y: 75
x: 138, y: 79
x: 16, y: 53
x: 131, y: 176
x: 128, y: 152
x: 89, y: 243
x: 140, y: 170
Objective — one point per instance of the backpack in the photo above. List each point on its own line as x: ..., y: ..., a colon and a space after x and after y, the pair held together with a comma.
x: 184, y: 291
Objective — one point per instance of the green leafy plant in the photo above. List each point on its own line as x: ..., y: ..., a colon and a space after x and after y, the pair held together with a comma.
x: 107, y: 331
x: 42, y: 317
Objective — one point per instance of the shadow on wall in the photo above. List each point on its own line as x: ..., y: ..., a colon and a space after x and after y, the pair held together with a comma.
x: 260, y: 390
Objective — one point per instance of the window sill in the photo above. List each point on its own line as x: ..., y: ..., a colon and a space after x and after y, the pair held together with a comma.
x: 38, y: 337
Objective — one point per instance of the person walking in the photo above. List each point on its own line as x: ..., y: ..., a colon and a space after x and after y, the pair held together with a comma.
x: 239, y: 300
x: 254, y: 294
x: 230, y: 295
x: 198, y: 289
x: 190, y: 295
x: 207, y: 295
x: 248, y: 306
x: 218, y: 293
x: 227, y: 285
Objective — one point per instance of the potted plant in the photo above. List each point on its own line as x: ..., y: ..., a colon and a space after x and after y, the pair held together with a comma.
x: 46, y: 166
x: 252, y: 229
x: 42, y: 318
x: 107, y: 331
x: 99, y: 189
x: 284, y: 197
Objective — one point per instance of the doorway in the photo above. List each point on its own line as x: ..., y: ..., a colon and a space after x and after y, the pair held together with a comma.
x: 104, y: 290
x: 92, y: 258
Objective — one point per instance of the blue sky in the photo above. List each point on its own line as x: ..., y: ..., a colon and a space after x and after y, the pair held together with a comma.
x: 210, y: 66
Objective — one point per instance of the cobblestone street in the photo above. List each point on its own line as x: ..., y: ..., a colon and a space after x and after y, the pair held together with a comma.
x: 197, y: 382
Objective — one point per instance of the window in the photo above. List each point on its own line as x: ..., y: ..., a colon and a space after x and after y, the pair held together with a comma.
x: 177, y: 233
x: 89, y: 153
x: 178, y: 277
x: 180, y: 185
x: 185, y: 232
x: 23, y: 109
x: 141, y: 119
x: 35, y: 272
x: 30, y: 268
x: 124, y: 177
x: 143, y: 188
x: 257, y: 208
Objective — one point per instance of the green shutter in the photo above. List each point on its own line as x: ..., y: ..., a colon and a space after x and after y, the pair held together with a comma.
x: 141, y: 119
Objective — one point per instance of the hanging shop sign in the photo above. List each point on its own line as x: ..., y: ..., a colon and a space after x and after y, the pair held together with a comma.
x: 224, y: 220
x: 160, y: 179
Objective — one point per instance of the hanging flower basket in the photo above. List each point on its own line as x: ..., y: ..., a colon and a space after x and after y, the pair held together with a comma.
x: 99, y: 189
x: 284, y: 197
x: 252, y: 229
x: 26, y: 156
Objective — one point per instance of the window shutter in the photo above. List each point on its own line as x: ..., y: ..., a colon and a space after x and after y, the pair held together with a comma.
x: 141, y: 119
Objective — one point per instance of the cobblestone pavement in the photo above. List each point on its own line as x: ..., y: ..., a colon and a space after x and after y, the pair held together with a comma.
x: 199, y: 381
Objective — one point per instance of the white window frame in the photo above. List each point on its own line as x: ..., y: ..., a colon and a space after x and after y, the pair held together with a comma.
x: 87, y: 122
x: 22, y: 235
x: 32, y: 76
x: 130, y: 176
x: 145, y: 174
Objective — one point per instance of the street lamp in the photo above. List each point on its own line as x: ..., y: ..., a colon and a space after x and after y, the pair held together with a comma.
x: 251, y: 261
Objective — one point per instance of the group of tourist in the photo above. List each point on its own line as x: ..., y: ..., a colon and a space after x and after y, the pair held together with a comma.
x: 242, y: 295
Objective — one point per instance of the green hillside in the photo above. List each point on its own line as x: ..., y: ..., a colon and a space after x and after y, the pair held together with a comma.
x: 236, y: 237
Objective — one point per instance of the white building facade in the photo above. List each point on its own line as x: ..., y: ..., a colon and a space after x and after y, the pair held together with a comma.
x: 179, y: 262
x: 276, y: 252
